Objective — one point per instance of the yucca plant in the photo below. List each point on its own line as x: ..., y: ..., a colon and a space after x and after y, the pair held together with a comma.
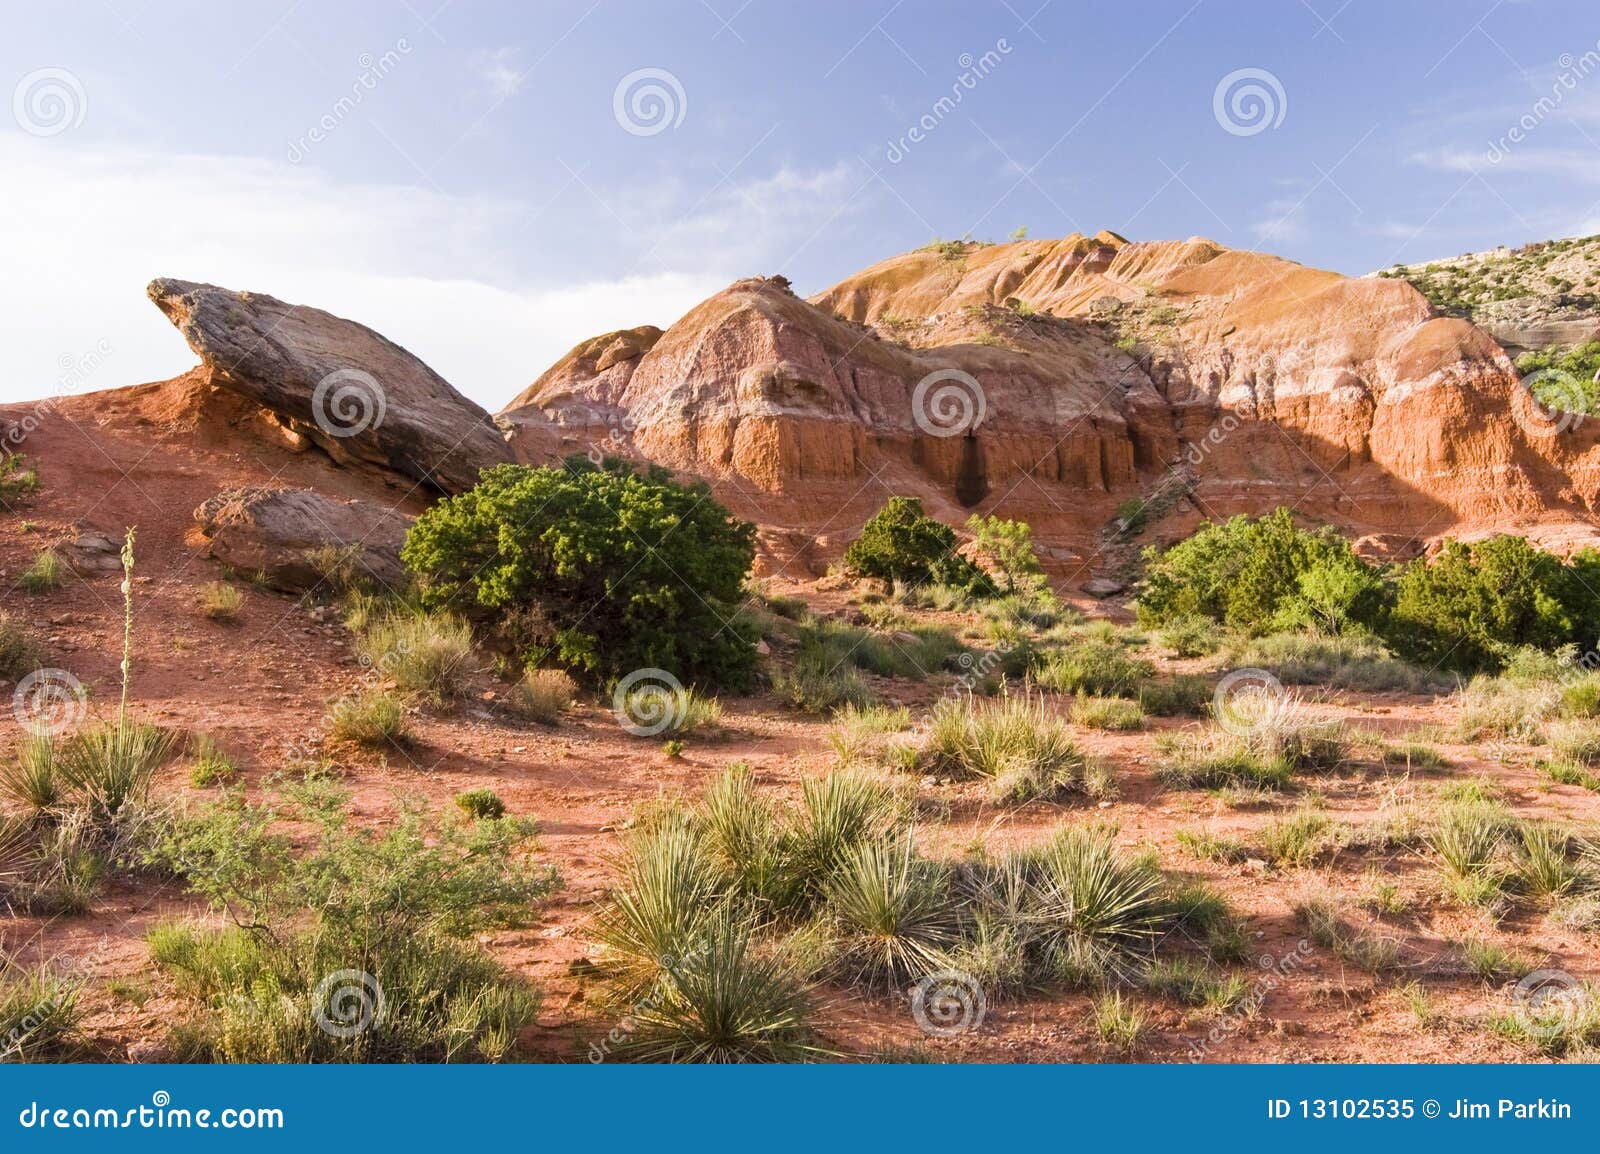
x: 895, y: 911
x: 35, y: 781
x: 724, y: 1002
x: 1542, y: 862
x: 838, y: 812
x: 1467, y: 836
x: 110, y: 765
x: 746, y: 836
x: 670, y: 890
x: 1084, y: 889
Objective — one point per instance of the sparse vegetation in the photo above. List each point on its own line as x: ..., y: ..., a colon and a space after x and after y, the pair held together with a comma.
x: 47, y: 572
x: 220, y: 601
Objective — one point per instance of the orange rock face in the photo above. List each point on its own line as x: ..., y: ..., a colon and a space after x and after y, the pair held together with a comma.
x: 1053, y: 380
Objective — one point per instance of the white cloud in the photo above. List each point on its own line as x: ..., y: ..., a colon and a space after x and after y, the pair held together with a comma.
x: 499, y: 72
x: 83, y: 232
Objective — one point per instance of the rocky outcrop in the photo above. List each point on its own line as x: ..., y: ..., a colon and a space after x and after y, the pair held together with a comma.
x: 358, y: 396
x: 296, y: 537
x: 1054, y: 380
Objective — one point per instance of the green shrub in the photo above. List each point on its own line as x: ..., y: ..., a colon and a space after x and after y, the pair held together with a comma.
x: 356, y: 913
x: 1092, y: 665
x: 606, y: 570
x: 481, y: 803
x: 1008, y: 548
x: 1191, y: 635
x: 1469, y: 607
x: 901, y: 543
x: 1256, y: 575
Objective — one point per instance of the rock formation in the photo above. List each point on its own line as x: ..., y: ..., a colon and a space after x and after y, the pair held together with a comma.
x: 358, y: 396
x: 295, y: 537
x: 1054, y: 380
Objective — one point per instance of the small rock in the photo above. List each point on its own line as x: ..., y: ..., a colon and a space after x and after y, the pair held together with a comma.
x: 1103, y: 587
x: 147, y: 1052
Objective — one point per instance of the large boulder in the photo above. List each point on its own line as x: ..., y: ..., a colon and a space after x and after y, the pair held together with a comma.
x: 295, y: 536
x: 359, y: 396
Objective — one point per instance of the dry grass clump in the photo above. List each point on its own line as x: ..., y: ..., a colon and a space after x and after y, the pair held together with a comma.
x: 863, y: 734
x: 1345, y: 661
x: 1360, y: 947
x: 1024, y: 751
x: 1093, y: 663
x: 220, y: 601
x: 371, y: 718
x: 1112, y: 713
x: 46, y: 572
x: 543, y: 695
x: 427, y: 654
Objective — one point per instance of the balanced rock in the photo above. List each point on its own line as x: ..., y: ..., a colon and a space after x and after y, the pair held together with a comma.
x: 357, y: 395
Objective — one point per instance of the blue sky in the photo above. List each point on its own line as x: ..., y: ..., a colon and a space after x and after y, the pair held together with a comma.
x: 472, y: 178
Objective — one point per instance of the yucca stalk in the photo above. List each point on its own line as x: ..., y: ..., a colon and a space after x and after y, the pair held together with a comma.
x: 127, y: 625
